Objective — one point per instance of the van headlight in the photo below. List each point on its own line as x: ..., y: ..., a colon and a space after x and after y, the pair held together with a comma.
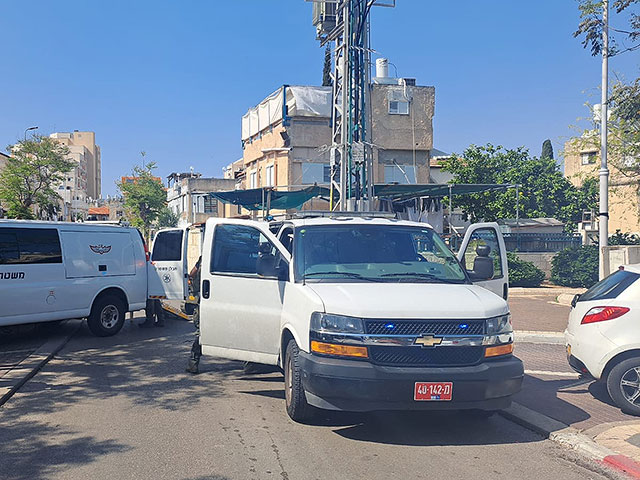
x: 499, y: 325
x: 326, y: 322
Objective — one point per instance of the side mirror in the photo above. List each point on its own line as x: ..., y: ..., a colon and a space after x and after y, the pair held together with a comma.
x: 265, y: 265
x: 482, y: 268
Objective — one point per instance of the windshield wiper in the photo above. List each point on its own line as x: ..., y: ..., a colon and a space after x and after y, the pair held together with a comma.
x: 428, y: 276
x: 344, y: 274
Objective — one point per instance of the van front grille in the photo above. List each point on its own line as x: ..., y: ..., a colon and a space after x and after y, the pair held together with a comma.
x: 426, y: 357
x: 424, y: 327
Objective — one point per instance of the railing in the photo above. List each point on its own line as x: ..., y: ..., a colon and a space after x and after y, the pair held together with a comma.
x: 541, y: 242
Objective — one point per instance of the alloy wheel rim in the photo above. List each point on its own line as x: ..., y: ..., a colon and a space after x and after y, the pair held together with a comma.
x: 109, y: 316
x: 630, y: 385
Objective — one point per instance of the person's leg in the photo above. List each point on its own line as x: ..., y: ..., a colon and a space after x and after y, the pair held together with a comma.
x: 148, y: 313
x: 159, y: 311
x: 196, y: 349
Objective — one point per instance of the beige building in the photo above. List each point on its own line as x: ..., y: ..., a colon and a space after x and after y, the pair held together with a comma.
x: 582, y: 160
x: 287, y: 137
x: 3, y: 160
x: 84, y: 150
x: 188, y: 197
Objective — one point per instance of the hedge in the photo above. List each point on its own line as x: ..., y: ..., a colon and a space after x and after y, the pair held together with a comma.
x: 576, y: 267
x: 523, y: 273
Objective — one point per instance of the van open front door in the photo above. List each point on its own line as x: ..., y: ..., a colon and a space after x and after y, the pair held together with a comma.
x: 484, y: 256
x: 168, y: 267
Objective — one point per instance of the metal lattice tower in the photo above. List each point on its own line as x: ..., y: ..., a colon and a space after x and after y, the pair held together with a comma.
x: 346, y: 24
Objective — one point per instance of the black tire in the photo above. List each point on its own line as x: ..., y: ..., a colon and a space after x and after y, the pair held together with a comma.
x: 297, y: 407
x: 627, y: 371
x: 107, y: 316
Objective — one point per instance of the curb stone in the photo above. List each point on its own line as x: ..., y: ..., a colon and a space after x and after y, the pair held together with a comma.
x: 28, y: 367
x: 527, y: 336
x: 570, y: 437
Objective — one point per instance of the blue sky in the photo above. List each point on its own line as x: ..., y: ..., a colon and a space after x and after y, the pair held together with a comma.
x: 173, y: 78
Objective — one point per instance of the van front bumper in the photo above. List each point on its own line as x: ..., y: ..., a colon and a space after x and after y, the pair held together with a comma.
x: 358, y: 386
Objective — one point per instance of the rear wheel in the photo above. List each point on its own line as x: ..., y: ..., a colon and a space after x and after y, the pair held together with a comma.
x: 623, y: 384
x: 107, y: 316
x: 297, y: 406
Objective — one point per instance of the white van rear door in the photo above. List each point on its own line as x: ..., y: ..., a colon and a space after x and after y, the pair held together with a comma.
x: 486, y: 234
x: 168, y: 267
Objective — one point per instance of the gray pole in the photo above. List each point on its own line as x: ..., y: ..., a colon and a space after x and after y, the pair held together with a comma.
x: 604, y: 171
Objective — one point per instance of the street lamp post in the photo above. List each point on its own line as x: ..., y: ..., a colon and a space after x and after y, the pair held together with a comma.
x: 603, y: 234
x: 26, y: 130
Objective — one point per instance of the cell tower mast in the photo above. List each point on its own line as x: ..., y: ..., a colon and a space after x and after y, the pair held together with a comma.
x: 346, y: 24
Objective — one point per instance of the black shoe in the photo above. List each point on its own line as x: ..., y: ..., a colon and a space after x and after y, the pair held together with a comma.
x: 192, y: 366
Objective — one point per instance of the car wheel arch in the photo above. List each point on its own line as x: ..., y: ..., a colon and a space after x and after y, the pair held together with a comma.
x: 616, y: 359
x: 115, y: 291
x: 286, y: 336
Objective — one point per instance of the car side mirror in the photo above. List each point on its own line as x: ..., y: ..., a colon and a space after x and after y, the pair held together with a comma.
x: 574, y: 300
x: 482, y: 268
x: 265, y: 265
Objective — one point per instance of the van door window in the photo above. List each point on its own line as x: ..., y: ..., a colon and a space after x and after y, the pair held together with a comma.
x: 236, y: 249
x: 29, y: 245
x: 167, y: 246
x: 481, y: 237
x: 9, y: 252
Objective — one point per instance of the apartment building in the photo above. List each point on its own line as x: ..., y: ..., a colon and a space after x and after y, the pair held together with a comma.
x: 83, y: 149
x: 286, y: 138
x: 188, y: 197
x: 582, y: 160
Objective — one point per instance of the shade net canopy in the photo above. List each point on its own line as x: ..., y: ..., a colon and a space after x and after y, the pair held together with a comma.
x: 434, y: 190
x: 256, y: 198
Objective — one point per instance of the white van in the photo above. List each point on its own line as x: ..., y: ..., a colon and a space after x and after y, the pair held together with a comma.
x: 362, y: 313
x: 53, y: 271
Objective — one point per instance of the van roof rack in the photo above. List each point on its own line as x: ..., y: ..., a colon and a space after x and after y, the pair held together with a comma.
x: 328, y: 214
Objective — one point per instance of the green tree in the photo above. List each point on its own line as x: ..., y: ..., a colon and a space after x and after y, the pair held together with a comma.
x: 544, y: 192
x: 547, y: 149
x: 591, y: 24
x: 326, y: 70
x: 144, y: 197
x: 33, y: 172
x: 167, y: 219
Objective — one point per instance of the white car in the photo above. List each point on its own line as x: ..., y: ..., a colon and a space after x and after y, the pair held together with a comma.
x: 361, y: 313
x: 56, y: 270
x: 603, y: 335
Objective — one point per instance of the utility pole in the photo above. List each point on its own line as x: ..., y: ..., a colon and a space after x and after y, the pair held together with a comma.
x: 346, y: 24
x: 604, y: 170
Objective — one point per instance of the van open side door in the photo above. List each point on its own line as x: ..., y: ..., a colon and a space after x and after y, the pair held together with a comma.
x: 482, y: 246
x: 168, y: 274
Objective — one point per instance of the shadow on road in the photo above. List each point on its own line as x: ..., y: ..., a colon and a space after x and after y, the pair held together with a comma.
x: 145, y: 365
x: 448, y: 428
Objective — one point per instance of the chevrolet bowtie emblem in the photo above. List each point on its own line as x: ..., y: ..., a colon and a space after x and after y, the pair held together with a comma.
x: 428, y: 341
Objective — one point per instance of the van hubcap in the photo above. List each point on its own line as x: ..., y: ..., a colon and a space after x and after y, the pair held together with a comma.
x: 630, y: 385
x: 109, y: 316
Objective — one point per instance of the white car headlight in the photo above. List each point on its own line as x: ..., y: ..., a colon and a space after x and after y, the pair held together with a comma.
x: 325, y: 322
x: 499, y: 325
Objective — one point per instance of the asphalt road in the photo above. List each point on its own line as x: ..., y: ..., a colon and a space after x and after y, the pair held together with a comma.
x: 122, y: 407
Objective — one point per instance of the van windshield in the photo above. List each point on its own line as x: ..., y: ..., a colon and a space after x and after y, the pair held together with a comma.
x: 373, y: 253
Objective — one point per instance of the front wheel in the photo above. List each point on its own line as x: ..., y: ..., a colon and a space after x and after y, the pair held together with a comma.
x: 623, y: 384
x: 297, y: 406
x: 107, y: 316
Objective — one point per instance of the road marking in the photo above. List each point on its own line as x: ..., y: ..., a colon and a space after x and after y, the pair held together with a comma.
x: 553, y: 374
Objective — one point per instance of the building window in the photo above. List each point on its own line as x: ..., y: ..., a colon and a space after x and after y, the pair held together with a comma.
x: 316, y: 173
x: 210, y: 205
x: 398, y: 107
x: 269, y: 176
x: 253, y: 180
x: 398, y: 173
x: 588, y: 158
